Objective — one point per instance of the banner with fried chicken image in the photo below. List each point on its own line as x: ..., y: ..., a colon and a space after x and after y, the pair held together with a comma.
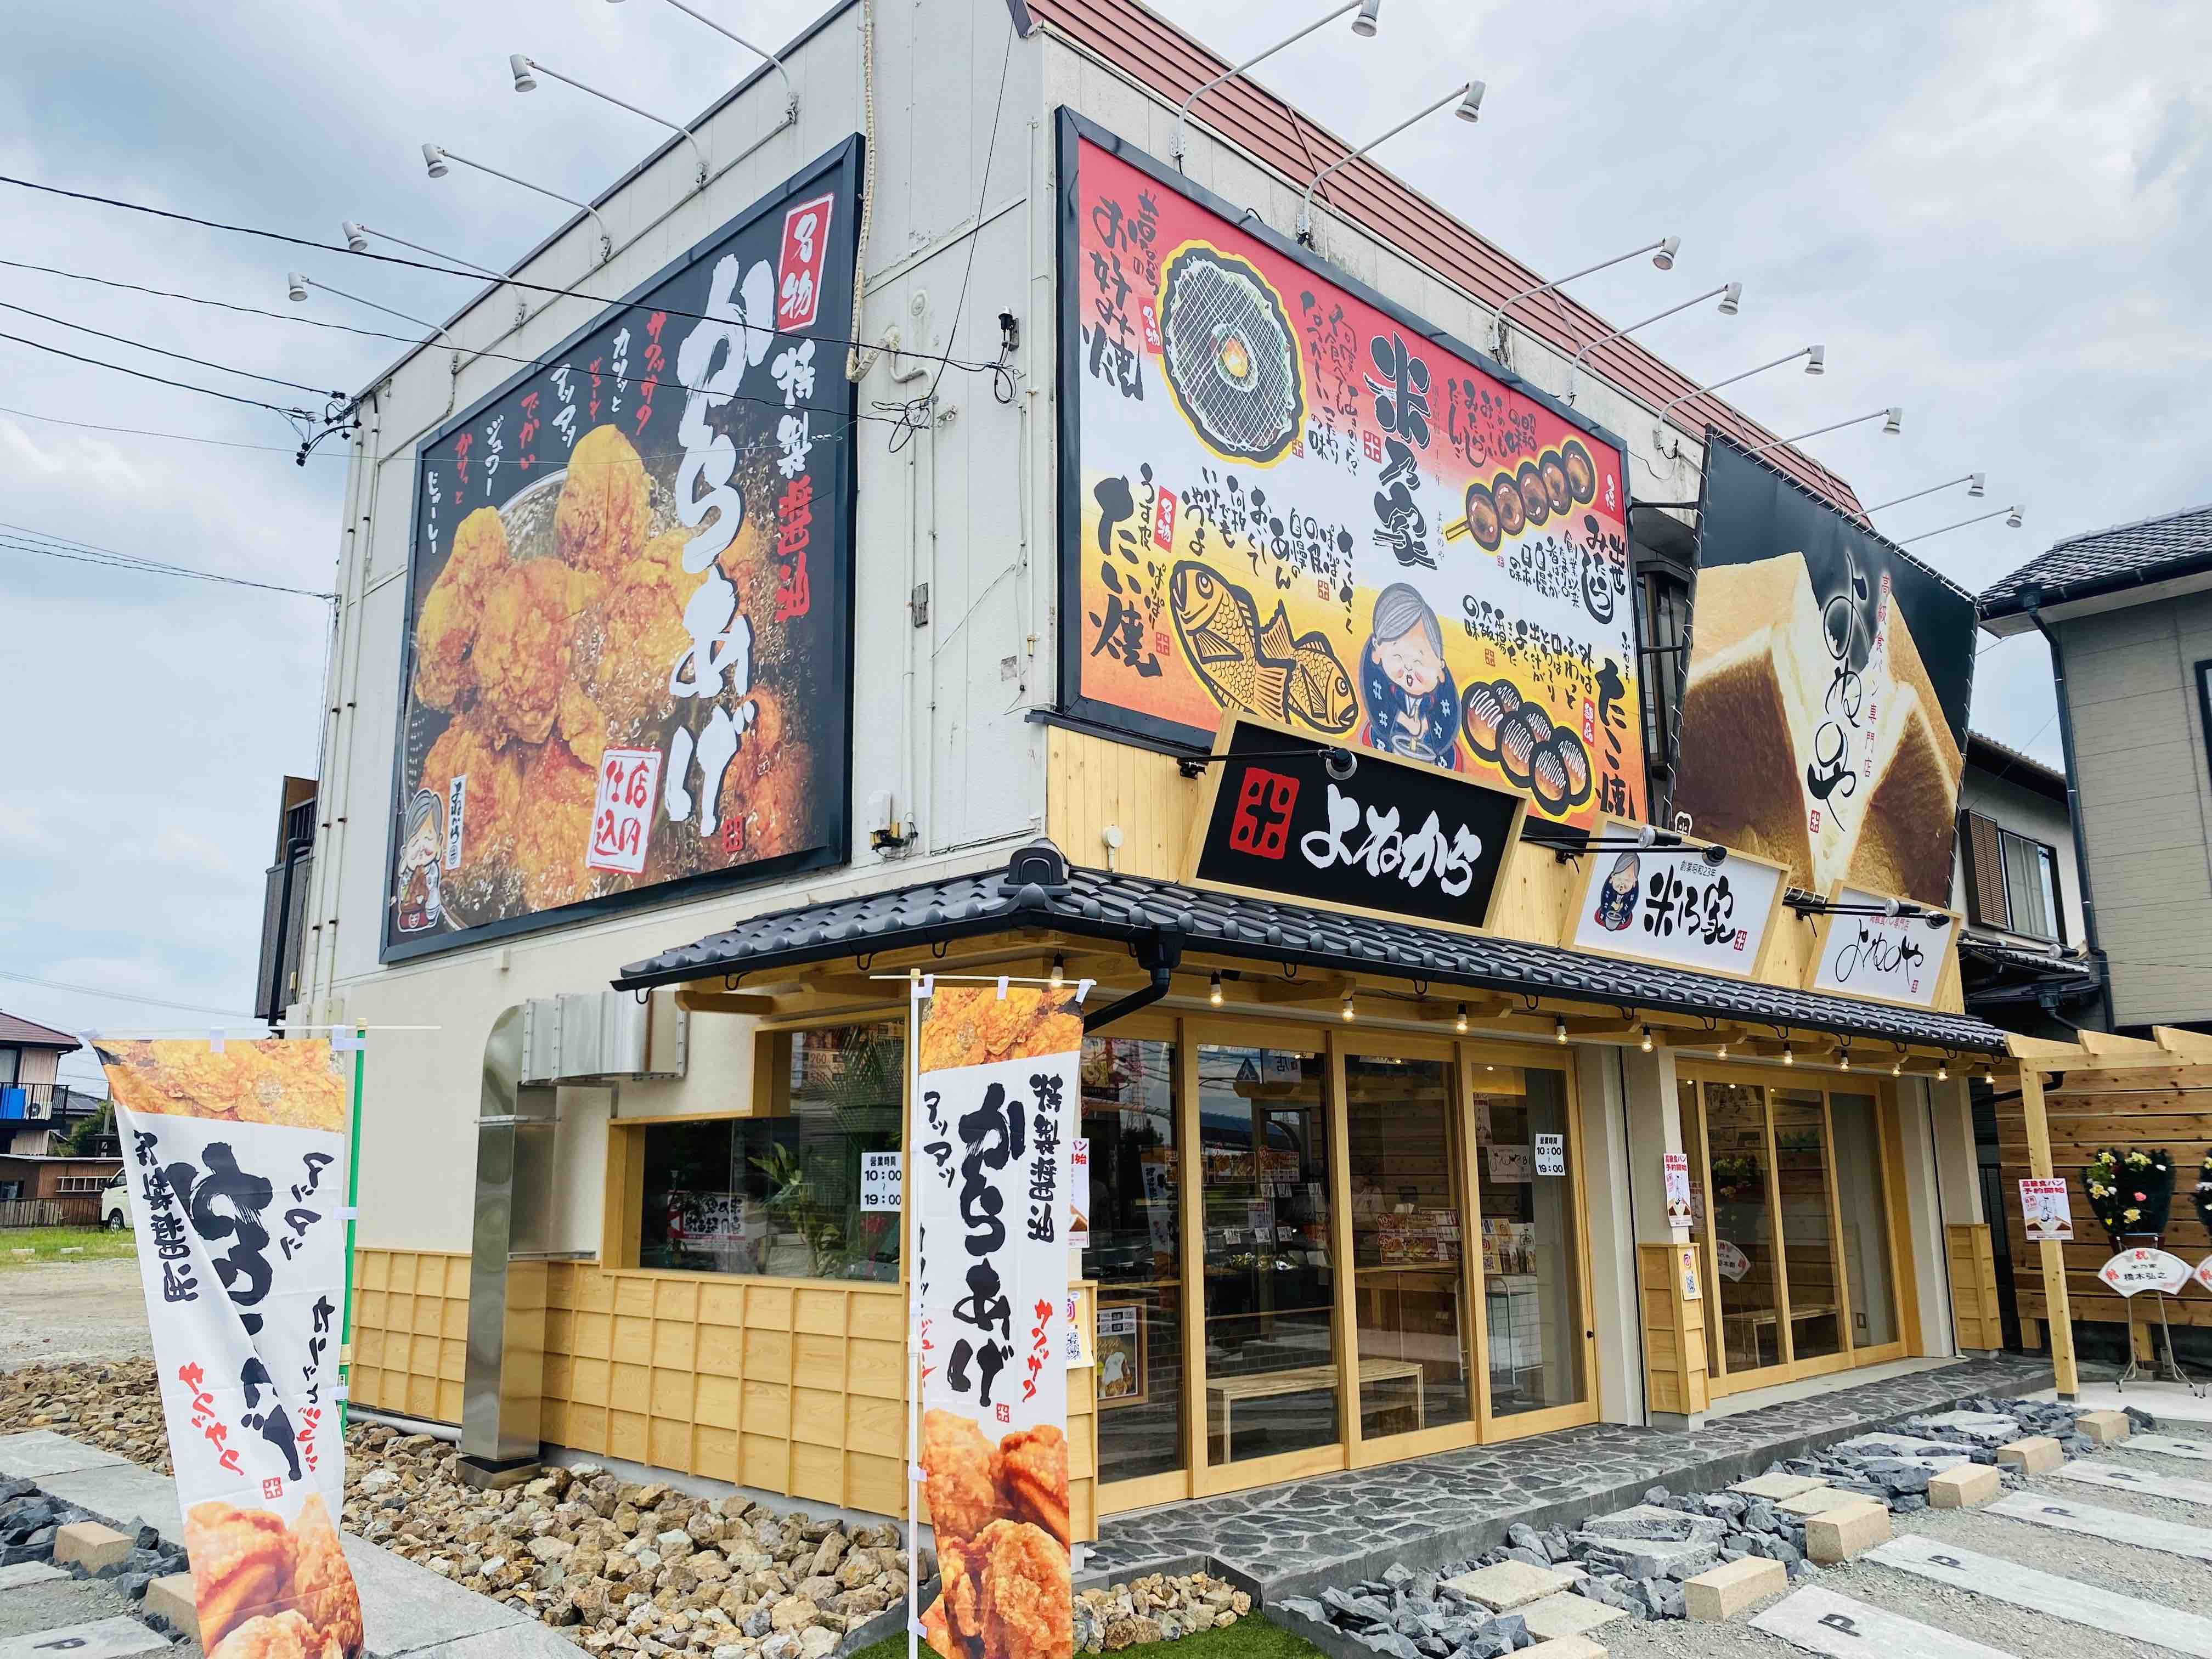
x: 235, y: 1154
x: 630, y: 596
x: 996, y: 1074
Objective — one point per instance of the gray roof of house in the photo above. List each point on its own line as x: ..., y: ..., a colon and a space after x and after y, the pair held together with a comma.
x: 1143, y: 909
x: 2107, y: 560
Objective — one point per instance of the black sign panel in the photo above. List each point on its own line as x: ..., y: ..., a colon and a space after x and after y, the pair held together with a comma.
x: 629, y: 598
x: 1394, y: 839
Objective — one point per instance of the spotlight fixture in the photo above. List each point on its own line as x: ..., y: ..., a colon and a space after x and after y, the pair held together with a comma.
x: 1723, y: 1051
x: 1663, y: 253
x: 296, y: 284
x: 1943, y: 1070
x: 439, y: 160
x: 1816, y: 358
x: 1646, y: 1044
x: 295, y: 287
x: 1894, y: 424
x: 435, y: 159
x: 1364, y: 26
x: 1730, y: 295
x: 527, y: 70
x: 1370, y: 13
x: 1460, y: 1024
x: 1470, y: 108
x: 1059, y: 972
x: 520, y: 67
x: 1348, y: 1011
x: 1731, y: 300
x: 356, y: 237
x: 1892, y: 419
x: 1214, y: 990
x: 1559, y: 1028
x: 2011, y: 515
x: 1664, y: 256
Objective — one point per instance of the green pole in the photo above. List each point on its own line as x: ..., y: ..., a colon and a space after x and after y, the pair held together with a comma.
x: 353, y: 1201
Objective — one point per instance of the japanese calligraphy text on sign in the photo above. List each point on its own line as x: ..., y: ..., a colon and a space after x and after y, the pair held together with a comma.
x: 1889, y: 958
x: 1671, y: 904
x: 1285, y: 496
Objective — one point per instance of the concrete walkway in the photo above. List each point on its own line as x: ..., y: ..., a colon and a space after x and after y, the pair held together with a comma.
x: 407, y: 1609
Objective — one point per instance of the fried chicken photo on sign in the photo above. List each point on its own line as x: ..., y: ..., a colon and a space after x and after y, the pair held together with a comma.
x: 557, y: 827
x: 624, y: 660
x: 241, y: 1566
x: 1033, y: 1477
x: 600, y: 523
x: 491, y: 801
x: 446, y: 626
x: 278, y: 1635
x: 963, y: 1475
x: 322, y: 1584
x: 524, y: 644
x: 958, y: 1604
x: 1023, y: 1592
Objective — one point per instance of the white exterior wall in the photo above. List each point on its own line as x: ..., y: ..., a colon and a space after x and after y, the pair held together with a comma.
x: 2029, y: 812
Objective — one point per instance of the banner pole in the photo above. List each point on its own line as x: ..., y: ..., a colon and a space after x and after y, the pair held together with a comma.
x: 910, y: 1146
x: 353, y: 1205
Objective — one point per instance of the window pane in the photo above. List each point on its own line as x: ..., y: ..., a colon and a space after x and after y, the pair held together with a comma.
x: 1407, y: 1235
x: 1530, y: 1262
x: 1128, y: 1116
x: 1271, y: 1382
x: 1808, y: 1242
x: 2025, y: 889
x: 1865, y: 1205
x: 780, y: 1194
x: 1747, y: 1282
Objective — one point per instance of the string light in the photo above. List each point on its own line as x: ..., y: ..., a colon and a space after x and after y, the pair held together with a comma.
x: 1059, y: 972
x: 1647, y: 1039
x: 1724, y: 1055
x: 1944, y: 1069
x: 1789, y: 1056
x: 1213, y: 990
x: 1460, y: 1024
x: 1348, y: 1010
x: 1845, y: 1063
x: 1896, y: 1066
x: 1559, y: 1028
x: 1990, y: 1075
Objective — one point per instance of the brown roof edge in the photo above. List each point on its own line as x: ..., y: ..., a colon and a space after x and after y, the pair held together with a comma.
x: 1157, y: 55
x: 29, y: 1034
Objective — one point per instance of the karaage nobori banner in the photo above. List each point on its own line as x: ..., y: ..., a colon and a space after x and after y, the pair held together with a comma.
x: 630, y: 596
x: 1285, y: 496
x: 236, y: 1161
x: 996, y: 1082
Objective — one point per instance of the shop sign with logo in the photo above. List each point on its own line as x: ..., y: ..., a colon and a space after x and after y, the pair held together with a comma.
x: 236, y: 1155
x: 2132, y: 1271
x: 1731, y: 1260
x: 2046, y: 1210
x: 997, y: 1073
x: 1393, y: 838
x: 1885, y: 958
x: 1669, y: 904
x: 1510, y: 1165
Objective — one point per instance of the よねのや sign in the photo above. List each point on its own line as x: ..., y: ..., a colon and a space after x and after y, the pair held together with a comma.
x: 1890, y: 958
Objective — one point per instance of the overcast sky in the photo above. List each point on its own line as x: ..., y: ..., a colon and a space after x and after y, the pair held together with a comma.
x: 1996, y: 216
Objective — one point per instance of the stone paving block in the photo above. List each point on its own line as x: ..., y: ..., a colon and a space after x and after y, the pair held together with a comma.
x: 171, y: 1596
x: 1776, y: 1487
x: 118, y: 1638
x: 19, y: 1573
x: 90, y: 1545
x: 1566, y: 1647
x: 1841, y: 1534
x: 1818, y: 1501
x: 1964, y: 1488
x: 1557, y: 1616
x: 1985, y: 1426
x: 1733, y: 1587
x: 2037, y: 1455
x: 2104, y: 1427
x: 36, y: 1453
x: 1649, y: 1521
x: 1930, y: 1454
x: 1650, y: 1557
x: 1509, y: 1584
x: 127, y: 1497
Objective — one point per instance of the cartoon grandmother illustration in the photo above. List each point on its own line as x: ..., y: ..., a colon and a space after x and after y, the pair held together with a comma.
x: 1413, y: 706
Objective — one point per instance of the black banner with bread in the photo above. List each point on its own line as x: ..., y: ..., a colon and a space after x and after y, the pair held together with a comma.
x: 1824, y: 712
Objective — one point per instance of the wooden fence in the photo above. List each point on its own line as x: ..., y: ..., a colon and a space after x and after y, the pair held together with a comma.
x: 80, y: 1210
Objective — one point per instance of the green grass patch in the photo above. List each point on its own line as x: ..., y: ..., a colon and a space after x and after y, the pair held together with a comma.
x: 1250, y: 1638
x: 47, y: 1243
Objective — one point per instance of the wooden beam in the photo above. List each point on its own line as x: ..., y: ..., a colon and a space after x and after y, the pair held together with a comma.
x: 2061, y: 1316
x: 1301, y: 990
x: 2104, y: 1043
x: 724, y: 1002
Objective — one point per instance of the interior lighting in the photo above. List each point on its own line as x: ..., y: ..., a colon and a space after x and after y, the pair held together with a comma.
x: 1214, y: 990
x: 1469, y: 97
x: 1371, y: 14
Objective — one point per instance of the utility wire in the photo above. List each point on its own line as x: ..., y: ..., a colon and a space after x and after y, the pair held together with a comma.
x: 123, y: 996
x: 181, y: 437
x: 220, y: 305
x: 444, y: 269
x: 163, y: 351
x: 80, y: 553
x: 162, y: 380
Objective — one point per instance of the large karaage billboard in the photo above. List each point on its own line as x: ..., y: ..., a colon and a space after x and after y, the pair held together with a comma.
x: 1824, y: 715
x: 630, y: 615
x: 1284, y: 495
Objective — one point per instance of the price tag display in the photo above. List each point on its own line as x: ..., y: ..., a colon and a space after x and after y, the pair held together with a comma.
x: 879, y: 1181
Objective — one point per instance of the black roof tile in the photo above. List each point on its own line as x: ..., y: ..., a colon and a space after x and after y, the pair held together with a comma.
x: 2106, y: 560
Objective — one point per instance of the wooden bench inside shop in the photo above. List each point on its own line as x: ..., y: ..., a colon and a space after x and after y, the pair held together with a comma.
x: 1223, y: 1392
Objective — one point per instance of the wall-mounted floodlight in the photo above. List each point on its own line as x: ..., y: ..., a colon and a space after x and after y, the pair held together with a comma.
x: 1976, y: 486
x: 1369, y: 12
x: 2011, y: 515
x: 1816, y: 360
x: 1892, y: 419
x: 1730, y: 295
x: 1469, y: 100
x: 357, y: 236
x: 527, y: 69
x: 1663, y: 253
x: 790, y: 90
x: 438, y: 159
x: 297, y: 284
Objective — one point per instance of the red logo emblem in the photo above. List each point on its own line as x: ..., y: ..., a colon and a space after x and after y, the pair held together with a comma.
x: 1262, y: 825
x: 804, y: 258
x: 272, y: 1487
x: 1163, y: 521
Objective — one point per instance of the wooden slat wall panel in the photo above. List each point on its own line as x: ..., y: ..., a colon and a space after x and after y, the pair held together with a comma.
x: 1973, y: 1268
x: 1674, y: 1377
x: 793, y: 1387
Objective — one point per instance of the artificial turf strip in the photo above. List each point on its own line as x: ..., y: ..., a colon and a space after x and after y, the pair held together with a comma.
x: 1250, y: 1638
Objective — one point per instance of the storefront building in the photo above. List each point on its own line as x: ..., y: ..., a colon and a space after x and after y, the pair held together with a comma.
x: 1208, y: 645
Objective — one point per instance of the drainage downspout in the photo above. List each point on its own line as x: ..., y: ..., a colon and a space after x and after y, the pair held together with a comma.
x: 2074, y: 815
x: 1160, y: 956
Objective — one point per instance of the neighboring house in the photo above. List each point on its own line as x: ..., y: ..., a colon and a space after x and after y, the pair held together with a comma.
x: 2022, y: 959
x: 33, y: 1106
x: 2128, y: 615
x: 78, y: 1178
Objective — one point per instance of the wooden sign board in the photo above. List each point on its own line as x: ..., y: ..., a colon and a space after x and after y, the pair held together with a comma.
x: 1667, y: 904
x: 1898, y: 959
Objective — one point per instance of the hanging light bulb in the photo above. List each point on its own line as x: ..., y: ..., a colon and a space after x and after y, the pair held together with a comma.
x: 1789, y: 1056
x: 1059, y: 972
x: 1647, y: 1039
x: 1460, y: 1024
x: 1723, y: 1051
x: 1559, y: 1028
x: 1943, y: 1070
x: 1989, y: 1076
x: 1897, y: 1065
x: 1349, y: 1011
x: 1213, y: 990
x: 1846, y: 1064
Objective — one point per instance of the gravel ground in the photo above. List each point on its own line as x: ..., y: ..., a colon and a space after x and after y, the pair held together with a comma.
x: 69, y: 1311
x: 33, y: 1609
x: 2146, y: 1575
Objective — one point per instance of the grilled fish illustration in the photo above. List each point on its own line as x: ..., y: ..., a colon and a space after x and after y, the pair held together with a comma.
x: 1263, y: 668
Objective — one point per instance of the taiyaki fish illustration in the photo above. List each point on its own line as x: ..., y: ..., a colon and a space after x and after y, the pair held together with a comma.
x: 1261, y: 668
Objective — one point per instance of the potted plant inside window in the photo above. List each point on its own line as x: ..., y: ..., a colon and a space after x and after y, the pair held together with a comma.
x: 2132, y: 1193
x: 808, y: 1242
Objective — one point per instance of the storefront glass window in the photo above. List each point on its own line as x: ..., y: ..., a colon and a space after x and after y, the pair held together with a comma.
x: 1746, y: 1266
x: 1865, y: 1209
x: 1134, y: 1254
x: 1271, y: 1373
x: 780, y: 1194
x: 1808, y: 1245
x: 1531, y: 1256
x: 1407, y: 1235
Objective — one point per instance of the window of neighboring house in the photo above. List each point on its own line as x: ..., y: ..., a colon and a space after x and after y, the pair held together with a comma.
x: 2012, y: 880
x: 82, y: 1183
x: 11, y: 1065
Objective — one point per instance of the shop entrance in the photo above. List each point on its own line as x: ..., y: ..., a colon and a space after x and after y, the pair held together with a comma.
x: 1791, y: 1193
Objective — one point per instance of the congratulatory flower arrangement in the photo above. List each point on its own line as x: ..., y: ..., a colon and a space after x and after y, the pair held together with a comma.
x: 2132, y: 1192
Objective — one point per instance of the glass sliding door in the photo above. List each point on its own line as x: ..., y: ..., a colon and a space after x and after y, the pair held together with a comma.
x: 1270, y: 1370
x: 1531, y: 1240
x: 1745, y: 1259
x: 1862, y: 1201
x: 1805, y: 1204
x: 1407, y: 1233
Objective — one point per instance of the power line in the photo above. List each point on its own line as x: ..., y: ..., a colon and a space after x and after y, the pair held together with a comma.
x: 448, y: 270
x: 181, y: 437
x: 82, y: 553
x: 220, y: 305
x: 163, y: 351
x: 162, y: 380
x: 123, y: 996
